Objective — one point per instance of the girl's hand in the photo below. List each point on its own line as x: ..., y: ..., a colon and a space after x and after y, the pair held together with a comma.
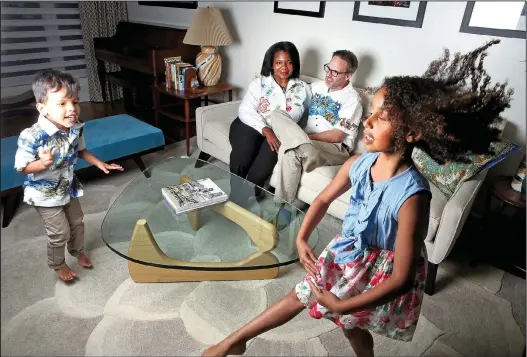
x: 272, y: 140
x: 106, y: 167
x: 325, y: 298
x: 307, y: 259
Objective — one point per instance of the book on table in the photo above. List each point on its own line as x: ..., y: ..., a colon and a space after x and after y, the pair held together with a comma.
x: 193, y: 195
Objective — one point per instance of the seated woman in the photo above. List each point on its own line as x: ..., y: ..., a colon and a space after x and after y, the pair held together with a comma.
x: 254, y: 144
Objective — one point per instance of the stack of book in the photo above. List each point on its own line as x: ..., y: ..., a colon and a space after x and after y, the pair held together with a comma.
x: 180, y: 75
x: 193, y: 195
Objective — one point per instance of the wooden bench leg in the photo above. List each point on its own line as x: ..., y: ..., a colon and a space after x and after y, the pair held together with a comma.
x: 203, y: 156
x: 11, y: 203
x: 139, y: 162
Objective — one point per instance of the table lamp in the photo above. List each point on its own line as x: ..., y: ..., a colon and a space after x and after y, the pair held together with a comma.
x: 208, y: 30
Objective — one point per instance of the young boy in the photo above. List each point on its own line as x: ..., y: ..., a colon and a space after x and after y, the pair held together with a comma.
x: 47, y: 153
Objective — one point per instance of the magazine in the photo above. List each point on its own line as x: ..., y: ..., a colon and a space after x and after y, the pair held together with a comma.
x: 193, y: 195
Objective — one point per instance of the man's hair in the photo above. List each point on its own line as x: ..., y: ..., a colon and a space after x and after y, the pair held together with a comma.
x: 350, y: 58
x: 453, y: 106
x: 290, y: 49
x: 53, y: 80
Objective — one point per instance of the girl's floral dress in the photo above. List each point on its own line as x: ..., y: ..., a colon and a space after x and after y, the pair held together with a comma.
x: 362, y: 256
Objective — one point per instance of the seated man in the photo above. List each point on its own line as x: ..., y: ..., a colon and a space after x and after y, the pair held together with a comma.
x: 332, y: 127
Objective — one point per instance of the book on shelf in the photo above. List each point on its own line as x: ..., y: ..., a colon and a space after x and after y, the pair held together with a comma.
x: 169, y: 76
x: 178, y: 77
x: 193, y: 195
x: 190, y: 78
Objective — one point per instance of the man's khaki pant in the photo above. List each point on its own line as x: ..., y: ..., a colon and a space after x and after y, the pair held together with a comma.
x: 298, y: 153
x: 63, y: 225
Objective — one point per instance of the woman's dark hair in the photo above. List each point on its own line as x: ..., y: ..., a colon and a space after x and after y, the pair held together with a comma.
x: 453, y: 107
x: 289, y: 48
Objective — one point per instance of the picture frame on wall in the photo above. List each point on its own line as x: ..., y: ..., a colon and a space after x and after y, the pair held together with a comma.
x: 176, y: 4
x: 301, y: 8
x: 396, y: 13
x: 495, y: 18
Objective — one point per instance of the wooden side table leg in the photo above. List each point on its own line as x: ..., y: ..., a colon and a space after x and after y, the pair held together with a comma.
x: 156, y: 105
x: 187, y: 125
x: 206, y: 100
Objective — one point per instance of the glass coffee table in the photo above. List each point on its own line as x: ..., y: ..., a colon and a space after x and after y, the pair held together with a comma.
x: 243, y: 238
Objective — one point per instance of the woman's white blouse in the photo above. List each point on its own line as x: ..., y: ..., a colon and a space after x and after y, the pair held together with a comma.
x: 264, y: 95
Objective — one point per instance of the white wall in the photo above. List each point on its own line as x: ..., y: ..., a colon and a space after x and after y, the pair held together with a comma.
x: 383, y: 50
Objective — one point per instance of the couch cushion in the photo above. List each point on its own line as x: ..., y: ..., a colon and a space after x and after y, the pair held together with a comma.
x: 448, y: 177
x: 217, y: 131
x: 436, y: 211
x: 320, y: 178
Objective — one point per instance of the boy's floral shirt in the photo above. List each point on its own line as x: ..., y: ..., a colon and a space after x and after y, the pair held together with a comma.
x: 54, y: 186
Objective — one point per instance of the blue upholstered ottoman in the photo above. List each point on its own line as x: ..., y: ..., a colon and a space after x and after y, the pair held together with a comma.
x: 116, y: 137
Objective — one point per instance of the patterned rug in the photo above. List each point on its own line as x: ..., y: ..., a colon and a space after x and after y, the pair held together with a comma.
x: 474, y: 312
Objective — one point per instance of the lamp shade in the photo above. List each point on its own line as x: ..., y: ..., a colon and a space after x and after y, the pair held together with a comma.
x: 208, y: 28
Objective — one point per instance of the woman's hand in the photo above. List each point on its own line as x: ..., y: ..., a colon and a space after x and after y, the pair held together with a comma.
x: 325, y: 298
x: 272, y: 140
x: 307, y: 259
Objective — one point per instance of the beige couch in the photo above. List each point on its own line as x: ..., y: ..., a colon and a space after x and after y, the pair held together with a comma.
x: 447, y: 217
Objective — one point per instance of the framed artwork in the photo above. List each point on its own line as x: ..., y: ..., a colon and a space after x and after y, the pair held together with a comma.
x: 313, y: 8
x: 178, y: 4
x: 397, y: 13
x: 494, y: 18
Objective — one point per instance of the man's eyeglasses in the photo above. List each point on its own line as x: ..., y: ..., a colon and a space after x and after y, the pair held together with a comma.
x: 333, y: 72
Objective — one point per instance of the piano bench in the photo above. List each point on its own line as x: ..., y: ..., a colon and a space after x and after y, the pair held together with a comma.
x: 117, y: 137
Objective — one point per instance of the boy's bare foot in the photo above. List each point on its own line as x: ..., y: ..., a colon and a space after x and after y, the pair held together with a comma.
x: 65, y: 273
x: 84, y: 261
x: 222, y: 349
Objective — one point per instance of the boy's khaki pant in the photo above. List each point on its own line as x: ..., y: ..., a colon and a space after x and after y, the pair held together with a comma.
x: 299, y: 153
x: 63, y: 225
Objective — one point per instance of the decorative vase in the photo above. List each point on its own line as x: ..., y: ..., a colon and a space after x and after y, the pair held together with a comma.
x: 519, y: 178
x: 208, y: 63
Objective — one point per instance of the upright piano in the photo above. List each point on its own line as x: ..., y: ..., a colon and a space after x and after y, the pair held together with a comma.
x: 140, y: 50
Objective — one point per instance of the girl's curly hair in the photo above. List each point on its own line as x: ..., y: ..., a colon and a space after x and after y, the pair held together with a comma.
x: 452, y: 117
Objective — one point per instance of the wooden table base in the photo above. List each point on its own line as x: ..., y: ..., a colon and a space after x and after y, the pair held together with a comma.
x: 143, y: 247
x: 148, y: 274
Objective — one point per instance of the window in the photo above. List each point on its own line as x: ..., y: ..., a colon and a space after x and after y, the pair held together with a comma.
x: 38, y: 36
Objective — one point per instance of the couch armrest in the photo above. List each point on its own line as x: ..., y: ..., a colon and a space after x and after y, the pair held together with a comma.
x: 454, y: 215
x: 218, y: 112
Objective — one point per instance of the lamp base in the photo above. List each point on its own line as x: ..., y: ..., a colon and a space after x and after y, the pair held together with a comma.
x: 208, y: 63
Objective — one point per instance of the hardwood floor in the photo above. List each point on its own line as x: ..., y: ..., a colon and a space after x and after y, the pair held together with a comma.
x: 89, y: 111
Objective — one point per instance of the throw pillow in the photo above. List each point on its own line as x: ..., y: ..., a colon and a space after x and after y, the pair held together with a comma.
x: 448, y: 177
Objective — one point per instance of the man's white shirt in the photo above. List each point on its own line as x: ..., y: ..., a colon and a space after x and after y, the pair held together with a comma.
x: 341, y: 109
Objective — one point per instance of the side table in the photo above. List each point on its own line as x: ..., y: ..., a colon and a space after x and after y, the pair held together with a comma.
x: 502, y: 239
x: 186, y: 96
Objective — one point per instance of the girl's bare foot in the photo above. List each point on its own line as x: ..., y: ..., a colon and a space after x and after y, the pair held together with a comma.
x: 65, y: 273
x: 223, y: 349
x: 84, y: 261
